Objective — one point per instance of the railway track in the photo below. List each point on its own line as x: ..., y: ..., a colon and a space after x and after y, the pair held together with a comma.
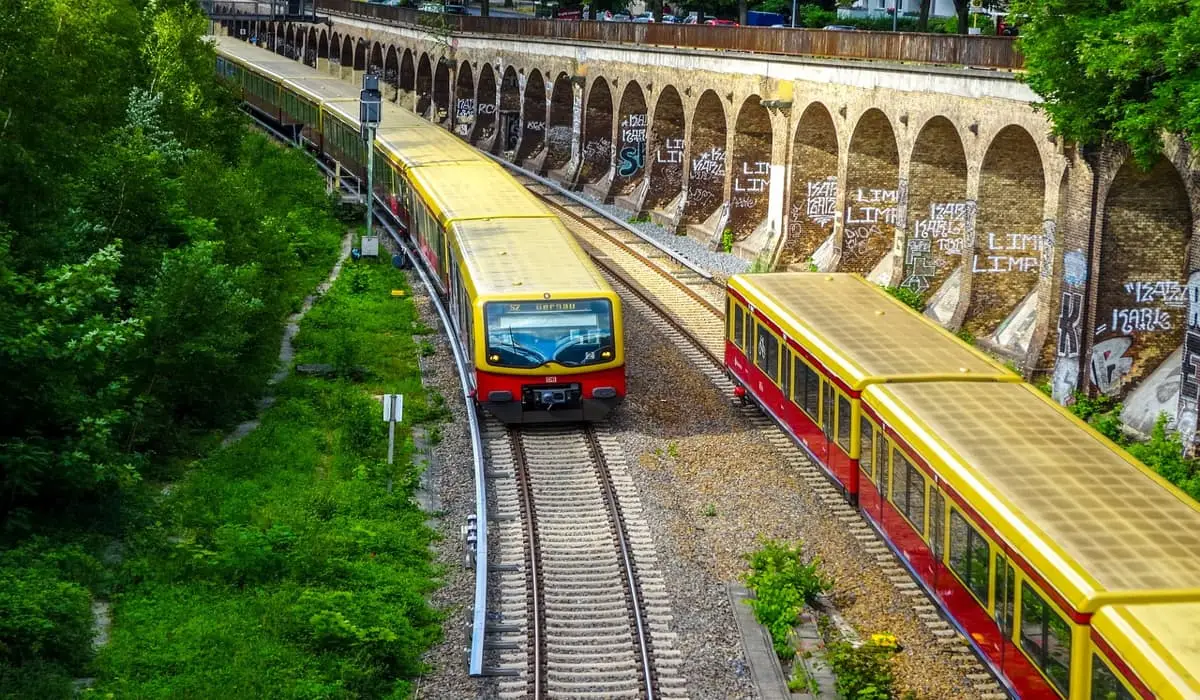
x: 579, y: 571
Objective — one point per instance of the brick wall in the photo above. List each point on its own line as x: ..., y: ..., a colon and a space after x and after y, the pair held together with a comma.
x: 533, y: 117
x: 559, y: 131
x: 812, y: 199
x: 751, y: 168
x: 706, y: 169
x: 597, y: 132
x: 872, y: 194
x: 1008, y: 230
x: 485, y: 104
x: 664, y: 152
x: 940, y: 219
x: 632, y: 133
x: 1141, y: 300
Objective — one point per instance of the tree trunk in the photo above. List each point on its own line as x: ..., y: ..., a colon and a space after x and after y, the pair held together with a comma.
x: 484, y: 8
x: 742, y: 12
x: 964, y: 14
x: 923, y: 21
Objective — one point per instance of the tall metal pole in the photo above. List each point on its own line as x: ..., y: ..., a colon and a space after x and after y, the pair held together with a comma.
x: 370, y: 106
x: 793, y: 14
x: 370, y: 178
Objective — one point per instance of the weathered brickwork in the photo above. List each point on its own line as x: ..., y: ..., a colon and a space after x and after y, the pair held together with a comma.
x: 852, y: 153
x: 812, y: 207
x: 1009, y: 230
x: 872, y: 194
x: 1141, y: 297
x: 632, y: 133
x: 665, y: 151
x: 597, y: 130
x: 751, y: 176
x: 706, y: 169
x: 940, y: 219
x: 533, y: 117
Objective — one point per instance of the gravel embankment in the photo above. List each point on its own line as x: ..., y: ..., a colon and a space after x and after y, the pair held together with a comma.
x: 452, y: 480
x: 711, y: 486
x: 717, y: 262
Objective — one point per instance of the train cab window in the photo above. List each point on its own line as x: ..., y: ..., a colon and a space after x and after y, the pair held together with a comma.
x: 1046, y: 638
x: 766, y: 351
x: 908, y: 491
x: 937, y: 522
x: 1105, y: 684
x: 844, y: 425
x: 739, y: 326
x: 866, y: 444
x: 969, y: 556
x: 1006, y: 593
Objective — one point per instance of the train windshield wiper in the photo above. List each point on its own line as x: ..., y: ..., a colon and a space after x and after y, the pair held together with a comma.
x: 522, y: 350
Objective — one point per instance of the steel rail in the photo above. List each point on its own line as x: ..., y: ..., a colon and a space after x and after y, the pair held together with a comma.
x: 677, y: 257
x: 641, y: 635
x: 479, y: 614
x: 537, y: 612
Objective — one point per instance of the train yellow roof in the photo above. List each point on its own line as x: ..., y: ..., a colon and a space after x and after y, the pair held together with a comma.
x: 1087, y: 515
x: 862, y: 333
x: 480, y: 190
x: 417, y: 143
x: 1161, y: 643
x: 523, y: 257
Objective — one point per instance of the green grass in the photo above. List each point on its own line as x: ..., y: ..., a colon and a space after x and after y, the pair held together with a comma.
x: 282, y: 567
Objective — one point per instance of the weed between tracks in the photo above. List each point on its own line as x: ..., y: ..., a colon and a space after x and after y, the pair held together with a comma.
x: 282, y: 566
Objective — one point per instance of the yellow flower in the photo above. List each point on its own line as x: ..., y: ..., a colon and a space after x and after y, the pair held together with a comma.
x: 884, y: 640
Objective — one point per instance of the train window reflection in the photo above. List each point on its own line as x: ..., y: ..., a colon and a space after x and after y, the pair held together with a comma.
x: 969, y: 556
x: 844, y: 424
x: 531, y: 334
x: 766, y: 352
x: 1046, y: 638
x: 1105, y: 685
x: 866, y: 441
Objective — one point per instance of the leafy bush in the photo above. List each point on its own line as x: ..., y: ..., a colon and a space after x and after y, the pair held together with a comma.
x: 966, y: 336
x: 727, y: 240
x: 783, y: 583
x: 908, y: 297
x: 863, y: 672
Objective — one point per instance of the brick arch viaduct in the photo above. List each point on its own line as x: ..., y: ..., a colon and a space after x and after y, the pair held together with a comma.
x: 1074, y: 263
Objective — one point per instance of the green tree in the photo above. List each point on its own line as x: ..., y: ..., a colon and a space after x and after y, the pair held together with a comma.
x: 1126, y: 71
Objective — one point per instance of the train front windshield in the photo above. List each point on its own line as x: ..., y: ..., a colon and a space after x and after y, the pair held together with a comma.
x: 530, y: 334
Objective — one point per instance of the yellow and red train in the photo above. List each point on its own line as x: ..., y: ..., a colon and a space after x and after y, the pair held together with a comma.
x: 543, y: 329
x: 1072, y: 569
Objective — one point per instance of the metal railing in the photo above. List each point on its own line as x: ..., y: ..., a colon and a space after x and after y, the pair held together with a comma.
x: 267, y: 10
x: 901, y: 47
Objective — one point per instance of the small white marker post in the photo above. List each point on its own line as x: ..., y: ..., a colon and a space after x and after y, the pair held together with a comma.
x: 393, y: 412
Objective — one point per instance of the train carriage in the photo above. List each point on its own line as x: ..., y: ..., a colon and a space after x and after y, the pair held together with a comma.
x: 1069, y: 566
x: 543, y: 329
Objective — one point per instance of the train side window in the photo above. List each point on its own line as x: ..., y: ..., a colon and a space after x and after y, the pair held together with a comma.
x: 866, y: 444
x: 785, y: 371
x: 844, y: 426
x: 937, y: 522
x: 908, y: 490
x: 827, y: 409
x: 1105, y: 684
x: 969, y: 556
x: 739, y: 326
x: 1005, y: 587
x: 766, y: 352
x: 881, y: 455
x: 812, y: 393
x: 1046, y: 638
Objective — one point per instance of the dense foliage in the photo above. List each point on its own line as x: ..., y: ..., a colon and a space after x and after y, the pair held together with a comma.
x: 783, y: 582
x: 149, y: 250
x: 1123, y: 71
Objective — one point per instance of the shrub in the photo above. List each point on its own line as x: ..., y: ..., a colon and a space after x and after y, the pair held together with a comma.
x: 783, y: 583
x: 863, y: 672
x: 908, y: 297
x: 44, y: 617
x: 727, y: 240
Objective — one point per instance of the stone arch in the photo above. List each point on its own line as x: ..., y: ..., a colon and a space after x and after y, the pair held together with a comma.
x: 323, y: 46
x: 813, y: 197
x: 940, y: 220
x: 509, y: 116
x: 560, y: 131
x: 289, y: 41
x: 872, y: 195
x: 362, y: 52
x: 485, y: 105
x: 424, y: 84
x: 1141, y: 302
x: 441, y: 91
x: 631, y: 139
x: 408, y: 73
x: 375, y: 62
x: 1009, y: 233
x: 597, y: 133
x: 706, y: 176
x: 391, y: 73
x: 665, y: 167
x: 310, y: 48
x: 464, y: 100
x: 751, y: 168
x: 533, y: 117
x: 335, y: 49
x: 347, y: 53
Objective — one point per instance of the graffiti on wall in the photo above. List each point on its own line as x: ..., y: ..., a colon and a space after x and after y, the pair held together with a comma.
x: 1010, y: 252
x: 632, y: 157
x: 670, y: 152
x: 820, y: 203
x: 1189, y: 387
x: 1070, y: 324
x: 1110, y: 365
x: 1146, y: 308
x: 709, y: 166
x: 753, y: 178
x: 946, y: 231
x: 1070, y: 321
x: 869, y: 214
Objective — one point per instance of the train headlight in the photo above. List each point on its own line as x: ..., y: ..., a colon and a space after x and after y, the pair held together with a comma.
x: 493, y: 358
x: 606, y: 354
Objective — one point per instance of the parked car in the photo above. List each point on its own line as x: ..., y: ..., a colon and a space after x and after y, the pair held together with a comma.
x: 841, y: 28
x: 721, y: 23
x: 646, y: 18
